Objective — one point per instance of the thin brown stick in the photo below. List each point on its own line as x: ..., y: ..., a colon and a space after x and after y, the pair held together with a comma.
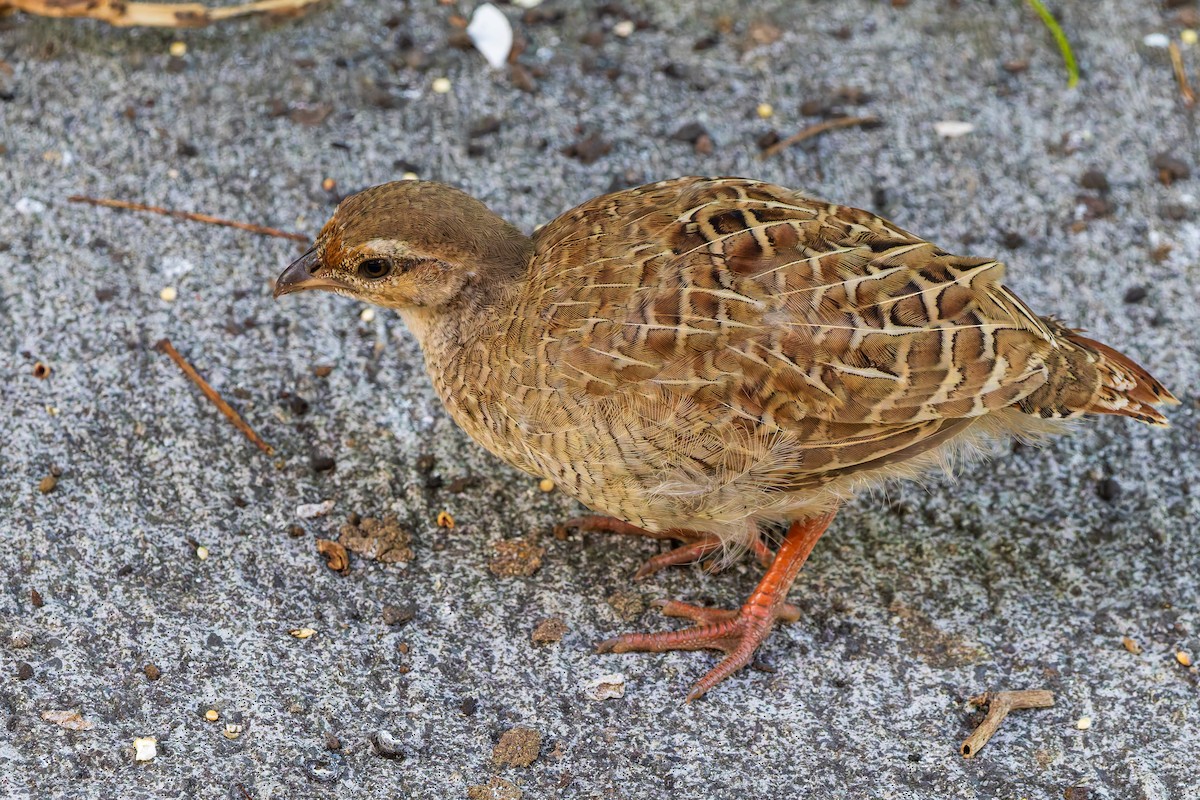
x: 817, y: 130
x: 999, y: 704
x: 1185, y: 88
x: 165, y: 346
x: 188, y: 215
x: 157, y: 15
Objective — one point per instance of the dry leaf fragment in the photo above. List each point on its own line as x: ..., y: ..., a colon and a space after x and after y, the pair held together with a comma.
x: 71, y: 720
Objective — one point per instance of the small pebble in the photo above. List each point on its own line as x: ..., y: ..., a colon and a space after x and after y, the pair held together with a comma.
x: 323, y: 464
x: 46, y: 485
x: 1157, y: 40
x: 386, y: 745
x: 410, y: 176
x: 952, y: 129
x: 178, y: 49
x: 145, y: 748
x: 168, y: 294
x: 24, y: 671
x: 152, y: 671
x: 441, y: 85
x: 314, y: 510
x: 546, y: 485
x: 606, y: 687
x: 19, y: 639
x: 1094, y: 179
x: 35, y: 597
x: 1135, y: 294
x: 765, y: 110
x: 212, y: 715
x: 367, y: 315
x: 1083, y: 723
x: 624, y: 28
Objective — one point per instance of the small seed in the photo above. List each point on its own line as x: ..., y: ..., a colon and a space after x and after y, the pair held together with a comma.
x: 152, y: 671
x: 1183, y: 658
x: 765, y: 110
x: 546, y: 485
x: 1084, y: 723
x: 211, y: 715
x: 441, y: 85
x: 202, y: 552
x: 367, y: 315
x: 41, y: 371
x: 302, y: 633
x: 1131, y: 646
x: 46, y: 485
x: 444, y: 520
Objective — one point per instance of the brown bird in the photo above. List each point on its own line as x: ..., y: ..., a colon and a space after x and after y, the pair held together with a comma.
x: 699, y: 357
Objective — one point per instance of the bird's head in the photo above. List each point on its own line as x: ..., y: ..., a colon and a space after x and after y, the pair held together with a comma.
x: 408, y: 245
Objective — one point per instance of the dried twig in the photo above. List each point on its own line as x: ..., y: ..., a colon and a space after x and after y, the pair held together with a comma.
x: 157, y: 15
x: 1185, y: 87
x: 188, y: 215
x: 816, y: 130
x: 165, y: 346
x: 999, y: 704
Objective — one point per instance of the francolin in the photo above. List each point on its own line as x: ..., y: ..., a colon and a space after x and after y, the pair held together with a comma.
x: 699, y: 357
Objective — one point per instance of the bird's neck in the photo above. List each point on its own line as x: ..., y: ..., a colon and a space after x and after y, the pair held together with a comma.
x: 484, y: 305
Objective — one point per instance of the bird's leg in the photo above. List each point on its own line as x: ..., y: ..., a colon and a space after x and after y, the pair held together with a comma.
x: 696, y: 545
x: 735, y: 633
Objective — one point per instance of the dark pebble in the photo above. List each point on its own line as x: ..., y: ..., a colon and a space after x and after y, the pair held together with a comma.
x: 24, y: 671
x: 485, y: 126
x: 1174, y: 212
x: 397, y: 615
x: 1108, y: 489
x: 767, y: 139
x: 1135, y: 294
x: 1013, y: 240
x: 426, y: 463
x: 589, y: 149
x: 298, y: 405
x: 1170, y: 167
x: 295, y: 531
x: 323, y: 463
x: 691, y: 133
x: 152, y: 671
x: 104, y: 294
x: 593, y: 38
x: 468, y: 706
x: 35, y: 597
x: 1094, y: 179
x: 1077, y: 793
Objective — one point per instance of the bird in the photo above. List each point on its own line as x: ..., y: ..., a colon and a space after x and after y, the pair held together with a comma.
x: 709, y: 359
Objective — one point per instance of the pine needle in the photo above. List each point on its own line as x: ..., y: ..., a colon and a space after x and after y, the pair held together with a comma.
x: 1064, y: 46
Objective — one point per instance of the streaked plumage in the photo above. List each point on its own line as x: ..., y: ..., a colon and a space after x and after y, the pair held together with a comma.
x: 711, y: 354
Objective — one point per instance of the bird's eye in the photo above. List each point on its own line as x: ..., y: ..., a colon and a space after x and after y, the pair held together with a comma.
x: 374, y: 269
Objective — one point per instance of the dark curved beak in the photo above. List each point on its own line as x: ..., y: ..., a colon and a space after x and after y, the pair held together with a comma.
x: 300, y: 276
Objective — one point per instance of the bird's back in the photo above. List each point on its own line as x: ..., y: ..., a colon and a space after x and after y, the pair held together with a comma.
x: 722, y: 349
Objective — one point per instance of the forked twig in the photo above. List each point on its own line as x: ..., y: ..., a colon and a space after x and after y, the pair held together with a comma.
x: 999, y: 704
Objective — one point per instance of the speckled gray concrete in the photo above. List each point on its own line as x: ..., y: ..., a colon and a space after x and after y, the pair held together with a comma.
x: 1018, y: 575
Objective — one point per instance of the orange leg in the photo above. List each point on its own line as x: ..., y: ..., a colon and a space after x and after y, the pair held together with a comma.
x: 695, y: 547
x: 735, y: 633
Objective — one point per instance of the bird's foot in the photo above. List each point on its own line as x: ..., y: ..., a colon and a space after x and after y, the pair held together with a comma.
x: 737, y: 634
x: 696, y: 545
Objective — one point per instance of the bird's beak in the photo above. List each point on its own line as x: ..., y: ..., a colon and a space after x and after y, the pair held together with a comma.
x: 299, y: 276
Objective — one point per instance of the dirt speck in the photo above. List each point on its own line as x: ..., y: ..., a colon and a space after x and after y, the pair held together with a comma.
x: 383, y: 540
x: 496, y: 789
x: 516, y: 557
x: 627, y: 605
x: 518, y: 747
x: 549, y: 631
